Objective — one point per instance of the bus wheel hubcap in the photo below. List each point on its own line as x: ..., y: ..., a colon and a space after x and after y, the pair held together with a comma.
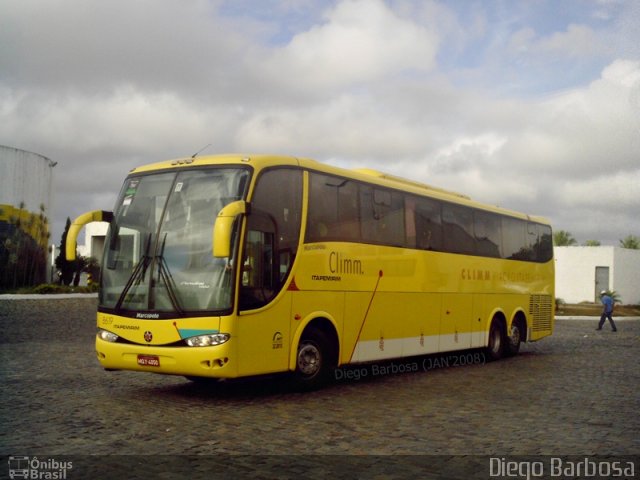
x: 309, y: 359
x: 515, y: 335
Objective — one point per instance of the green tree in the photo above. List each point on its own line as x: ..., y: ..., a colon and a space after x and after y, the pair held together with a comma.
x: 80, y: 264
x: 631, y: 241
x: 592, y: 243
x: 562, y: 238
x: 23, y: 258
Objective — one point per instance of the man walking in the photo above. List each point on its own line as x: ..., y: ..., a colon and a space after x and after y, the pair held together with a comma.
x: 607, y: 311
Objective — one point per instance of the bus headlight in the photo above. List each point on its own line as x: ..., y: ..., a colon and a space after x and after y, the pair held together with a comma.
x: 207, y: 340
x: 107, y: 336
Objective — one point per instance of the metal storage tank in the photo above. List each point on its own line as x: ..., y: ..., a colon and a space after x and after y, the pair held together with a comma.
x: 26, y: 180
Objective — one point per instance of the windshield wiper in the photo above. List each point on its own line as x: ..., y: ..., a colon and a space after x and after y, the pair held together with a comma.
x: 165, y: 274
x: 137, y: 276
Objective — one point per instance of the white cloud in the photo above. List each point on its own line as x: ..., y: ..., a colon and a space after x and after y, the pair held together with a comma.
x: 361, y: 41
x: 619, y: 191
x: 576, y: 41
x: 576, y: 132
x: 101, y: 87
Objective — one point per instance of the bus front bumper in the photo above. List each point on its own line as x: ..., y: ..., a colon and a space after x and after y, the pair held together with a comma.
x: 213, y: 361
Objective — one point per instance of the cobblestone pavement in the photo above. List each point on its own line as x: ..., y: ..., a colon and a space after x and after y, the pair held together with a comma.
x: 575, y: 393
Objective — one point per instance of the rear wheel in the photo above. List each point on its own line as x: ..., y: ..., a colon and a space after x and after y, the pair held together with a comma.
x: 514, y: 339
x: 314, y: 362
x: 495, y: 349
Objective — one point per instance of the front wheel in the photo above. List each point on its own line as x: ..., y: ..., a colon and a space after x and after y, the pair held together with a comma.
x: 313, y: 361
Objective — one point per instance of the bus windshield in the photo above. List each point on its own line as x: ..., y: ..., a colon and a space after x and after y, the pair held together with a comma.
x: 158, y: 250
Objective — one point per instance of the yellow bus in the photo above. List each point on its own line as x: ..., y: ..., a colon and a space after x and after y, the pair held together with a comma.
x: 232, y: 266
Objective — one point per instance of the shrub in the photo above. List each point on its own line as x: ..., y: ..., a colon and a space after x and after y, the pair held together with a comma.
x: 51, y: 288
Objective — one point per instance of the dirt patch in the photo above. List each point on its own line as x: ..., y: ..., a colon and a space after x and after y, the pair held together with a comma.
x: 594, y: 310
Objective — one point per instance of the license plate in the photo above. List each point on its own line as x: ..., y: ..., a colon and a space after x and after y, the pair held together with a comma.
x: 149, y: 360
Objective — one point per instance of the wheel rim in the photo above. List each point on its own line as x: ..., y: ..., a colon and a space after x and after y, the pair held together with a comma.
x: 515, y: 335
x: 309, y: 360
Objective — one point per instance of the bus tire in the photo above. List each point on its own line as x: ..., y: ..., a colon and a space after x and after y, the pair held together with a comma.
x: 514, y: 339
x: 495, y: 348
x: 313, y: 361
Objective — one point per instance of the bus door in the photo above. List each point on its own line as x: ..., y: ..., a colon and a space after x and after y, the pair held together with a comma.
x: 272, y: 235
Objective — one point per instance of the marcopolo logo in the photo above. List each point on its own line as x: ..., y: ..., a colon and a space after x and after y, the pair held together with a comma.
x: 35, y: 468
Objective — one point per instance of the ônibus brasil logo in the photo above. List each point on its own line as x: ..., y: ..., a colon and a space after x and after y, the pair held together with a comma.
x: 35, y: 468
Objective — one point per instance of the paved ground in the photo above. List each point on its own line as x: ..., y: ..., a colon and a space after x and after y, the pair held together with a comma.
x: 575, y: 393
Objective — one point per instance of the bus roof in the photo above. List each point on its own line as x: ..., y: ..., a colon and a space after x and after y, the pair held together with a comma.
x: 361, y: 174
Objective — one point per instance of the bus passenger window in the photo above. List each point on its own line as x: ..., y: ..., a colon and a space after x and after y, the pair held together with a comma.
x: 333, y: 209
x: 382, y: 216
x: 487, y: 229
x: 428, y: 224
x: 545, y: 244
x: 513, y: 239
x: 457, y: 222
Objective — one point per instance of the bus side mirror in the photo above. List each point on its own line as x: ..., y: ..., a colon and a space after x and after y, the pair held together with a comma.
x: 76, y: 226
x: 222, y: 229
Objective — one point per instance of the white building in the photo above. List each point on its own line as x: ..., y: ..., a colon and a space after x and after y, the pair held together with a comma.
x: 94, y: 234
x: 583, y: 272
x: 25, y: 180
x: 26, y: 188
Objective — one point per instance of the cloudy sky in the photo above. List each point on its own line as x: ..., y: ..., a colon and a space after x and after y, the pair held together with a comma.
x: 531, y: 105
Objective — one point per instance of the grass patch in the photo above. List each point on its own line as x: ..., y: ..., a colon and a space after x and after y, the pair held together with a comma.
x: 53, y: 289
x: 594, y: 310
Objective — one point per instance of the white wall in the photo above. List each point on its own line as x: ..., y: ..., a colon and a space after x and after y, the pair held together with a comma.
x: 576, y: 272
x: 626, y: 272
x: 93, y: 240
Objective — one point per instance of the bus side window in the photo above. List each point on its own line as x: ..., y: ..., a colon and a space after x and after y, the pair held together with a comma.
x: 410, y: 221
x: 333, y: 209
x: 258, y: 276
x: 513, y: 239
x: 545, y: 244
x: 487, y: 229
x: 457, y: 223
x: 382, y: 216
x: 428, y: 224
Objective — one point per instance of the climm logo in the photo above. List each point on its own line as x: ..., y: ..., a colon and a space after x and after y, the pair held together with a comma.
x: 475, y: 274
x: 339, y: 263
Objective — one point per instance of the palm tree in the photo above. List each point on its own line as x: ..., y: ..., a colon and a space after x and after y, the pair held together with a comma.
x: 615, y: 296
x: 562, y: 238
x: 630, y: 241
